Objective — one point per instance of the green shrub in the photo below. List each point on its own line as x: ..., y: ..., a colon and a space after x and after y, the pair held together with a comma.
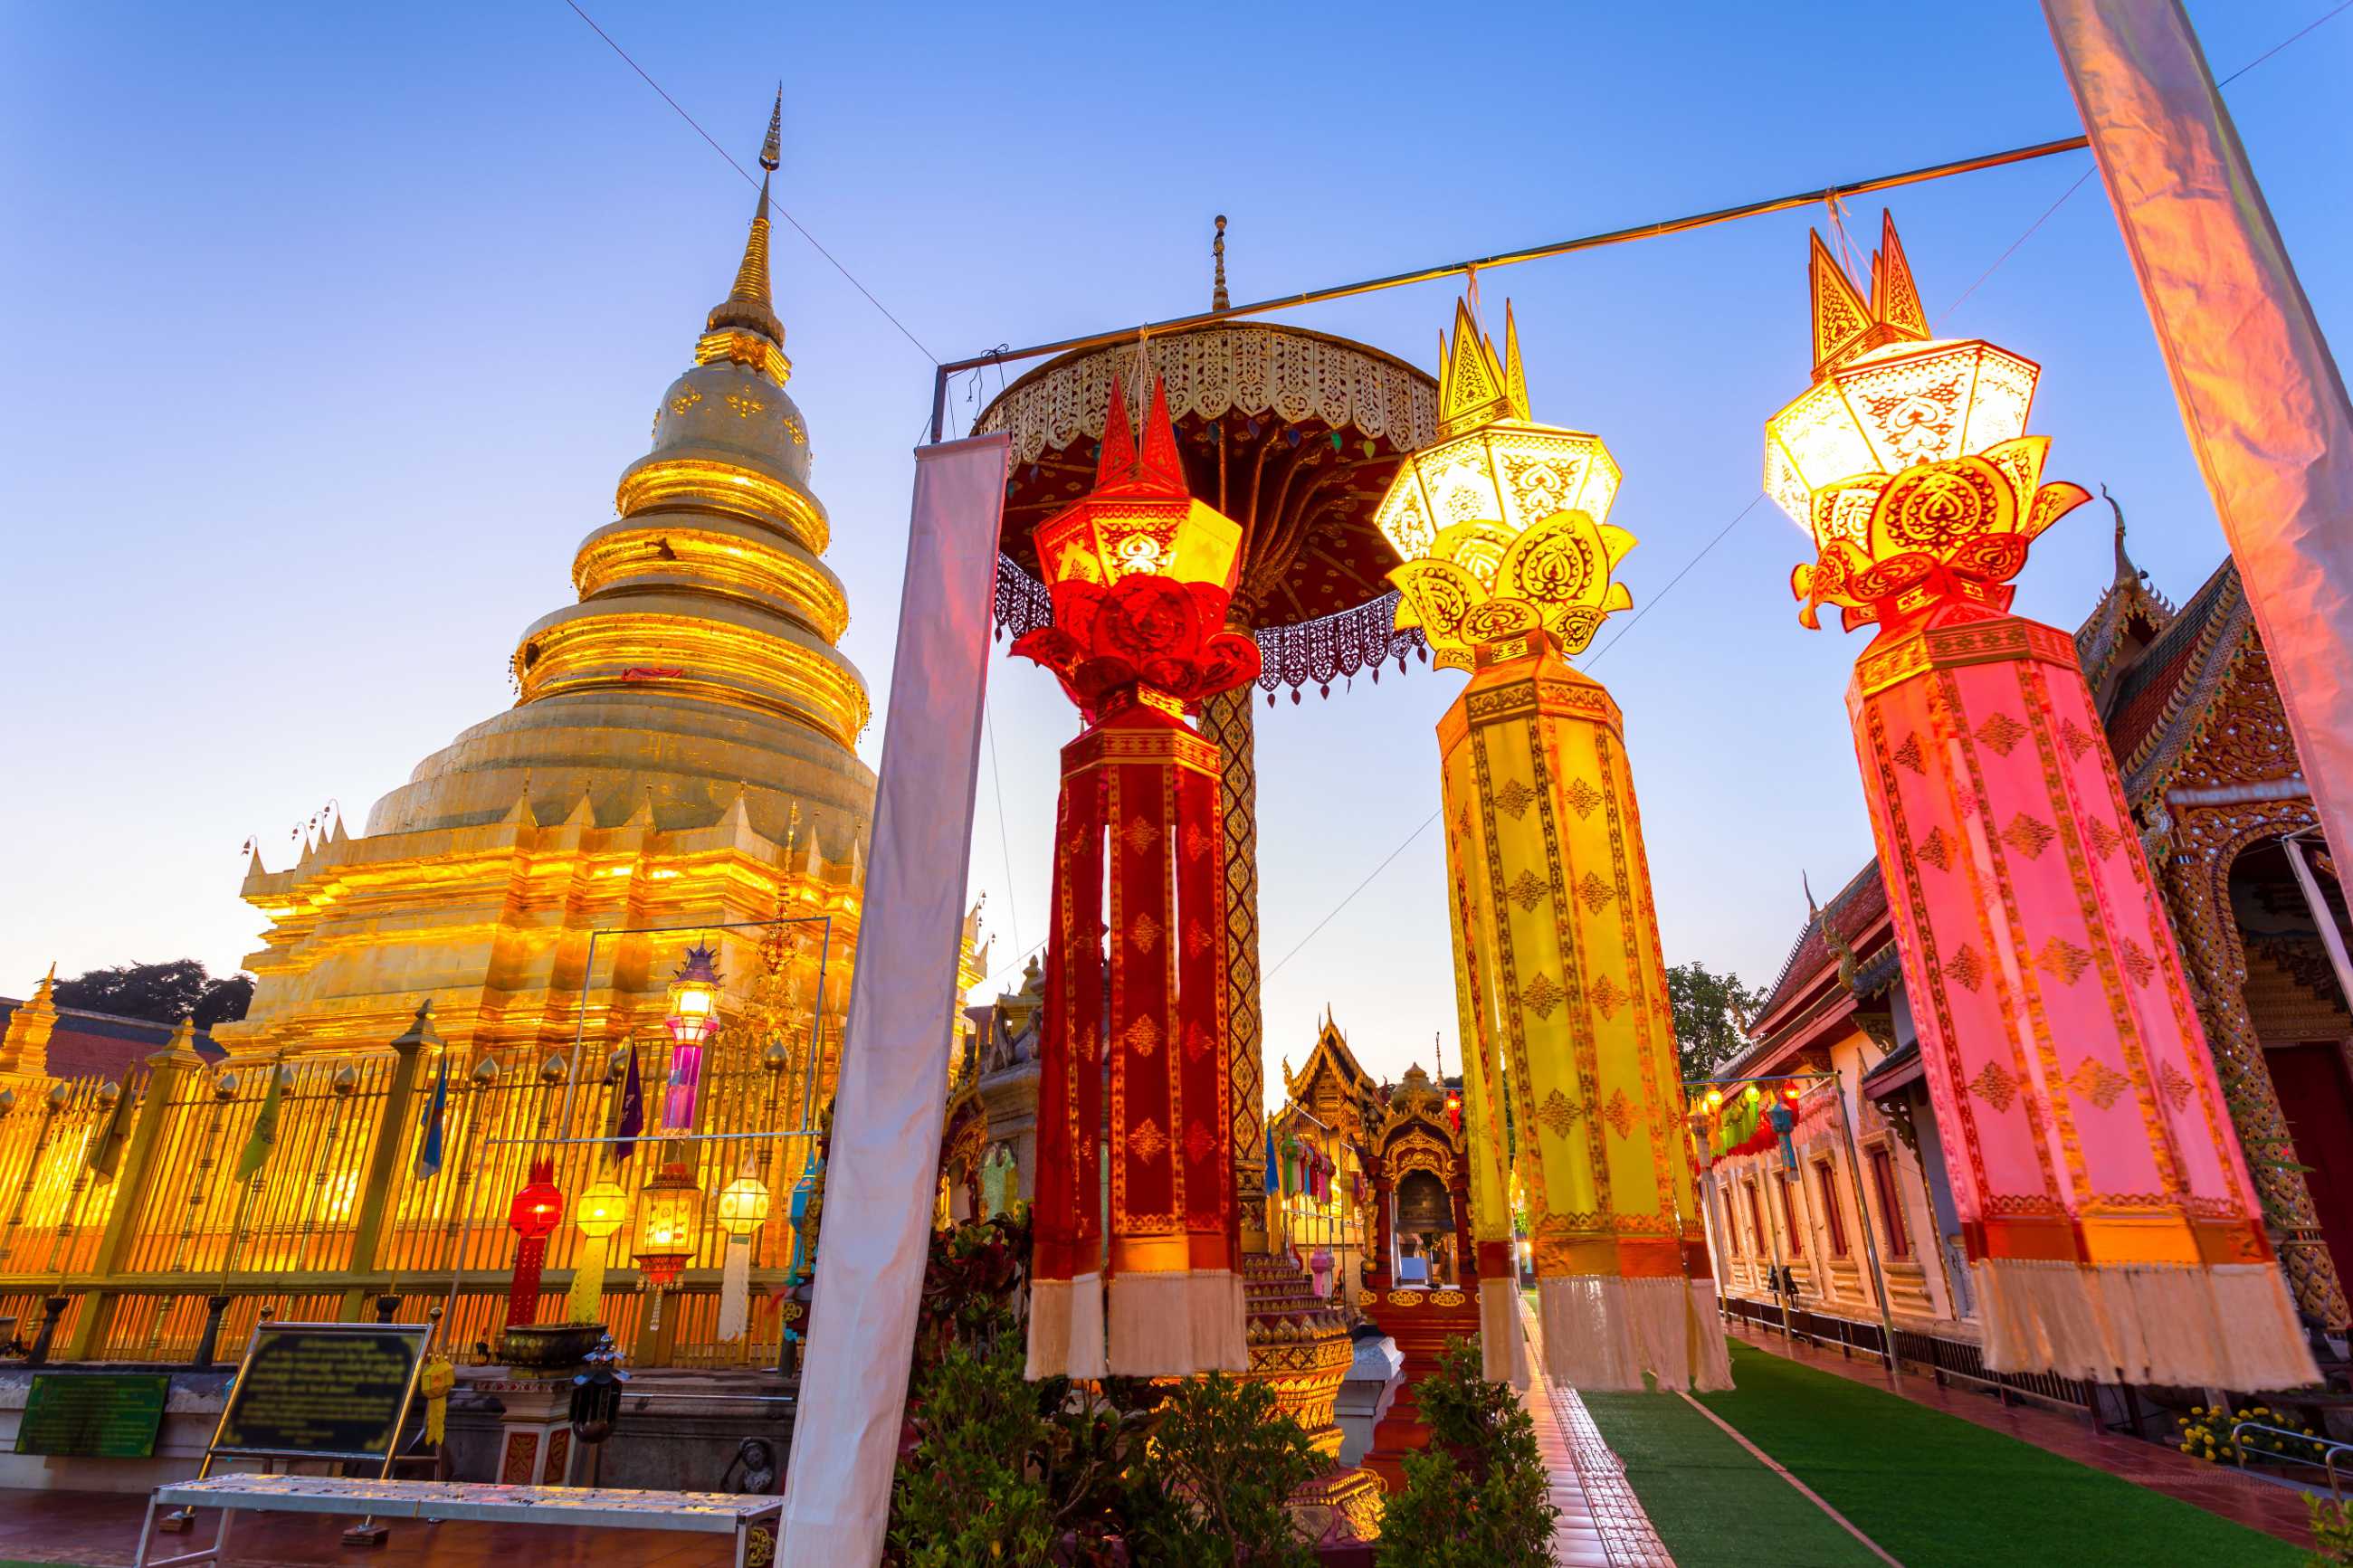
x: 1220, y: 1461
x: 1478, y: 1497
x: 2332, y: 1534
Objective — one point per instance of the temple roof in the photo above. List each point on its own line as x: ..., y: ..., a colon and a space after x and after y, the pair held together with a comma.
x: 104, y: 1045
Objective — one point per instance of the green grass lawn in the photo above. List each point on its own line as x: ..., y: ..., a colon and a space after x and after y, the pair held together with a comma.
x: 1929, y: 1488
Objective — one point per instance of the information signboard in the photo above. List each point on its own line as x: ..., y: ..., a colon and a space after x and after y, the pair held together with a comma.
x: 100, y: 1415
x: 323, y: 1390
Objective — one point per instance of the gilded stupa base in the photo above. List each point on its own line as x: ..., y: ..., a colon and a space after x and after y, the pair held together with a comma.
x: 1300, y: 1347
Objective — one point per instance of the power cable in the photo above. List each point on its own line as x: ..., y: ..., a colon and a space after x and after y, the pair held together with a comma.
x: 1653, y: 603
x: 748, y: 180
x: 1344, y: 903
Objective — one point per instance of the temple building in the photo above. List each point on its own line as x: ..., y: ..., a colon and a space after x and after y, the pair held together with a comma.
x: 2215, y: 787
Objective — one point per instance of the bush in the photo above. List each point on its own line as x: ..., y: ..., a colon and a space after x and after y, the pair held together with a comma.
x: 2332, y: 1534
x: 1478, y: 1497
x: 1220, y: 1461
x: 969, y: 1492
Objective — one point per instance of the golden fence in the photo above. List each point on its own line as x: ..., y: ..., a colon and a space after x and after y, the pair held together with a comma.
x: 337, y: 1216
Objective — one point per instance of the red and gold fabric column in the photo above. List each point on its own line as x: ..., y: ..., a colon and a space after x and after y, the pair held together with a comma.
x: 1562, y: 992
x: 2110, y: 1221
x: 1147, y: 1285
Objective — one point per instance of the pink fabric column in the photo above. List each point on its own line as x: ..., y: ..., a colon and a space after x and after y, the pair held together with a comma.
x: 2259, y: 393
x: 893, y: 1088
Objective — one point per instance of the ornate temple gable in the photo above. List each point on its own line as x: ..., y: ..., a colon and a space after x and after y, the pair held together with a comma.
x: 1414, y: 1110
x: 1334, y: 1085
x: 2163, y: 701
x: 2130, y: 616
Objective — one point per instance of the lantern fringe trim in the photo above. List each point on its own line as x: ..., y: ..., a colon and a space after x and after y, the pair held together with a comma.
x: 1502, y: 1349
x: 736, y: 1290
x: 1066, y: 1328
x: 1602, y: 1332
x: 2144, y: 1323
x: 1175, y: 1323
x: 585, y: 1300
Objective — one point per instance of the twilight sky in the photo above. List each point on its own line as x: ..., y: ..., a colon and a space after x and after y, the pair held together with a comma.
x: 329, y: 329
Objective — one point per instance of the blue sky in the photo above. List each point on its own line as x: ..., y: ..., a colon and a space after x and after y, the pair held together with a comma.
x: 329, y: 330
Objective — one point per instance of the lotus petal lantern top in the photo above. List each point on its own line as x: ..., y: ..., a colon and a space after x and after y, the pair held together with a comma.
x: 1503, y: 522
x: 1907, y: 459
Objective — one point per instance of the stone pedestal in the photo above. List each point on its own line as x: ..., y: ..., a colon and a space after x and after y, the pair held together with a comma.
x: 1300, y: 1347
x: 535, y: 1447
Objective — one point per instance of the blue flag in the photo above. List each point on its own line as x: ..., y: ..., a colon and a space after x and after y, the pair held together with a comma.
x: 630, y: 1111
x: 1273, y: 1165
x: 429, y: 1148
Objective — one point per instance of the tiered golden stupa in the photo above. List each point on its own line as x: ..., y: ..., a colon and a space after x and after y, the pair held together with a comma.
x: 679, y: 757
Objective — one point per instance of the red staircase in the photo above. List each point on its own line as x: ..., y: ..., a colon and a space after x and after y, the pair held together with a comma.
x: 1420, y: 1331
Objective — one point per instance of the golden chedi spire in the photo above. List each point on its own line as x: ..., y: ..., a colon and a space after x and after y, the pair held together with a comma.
x: 701, y: 649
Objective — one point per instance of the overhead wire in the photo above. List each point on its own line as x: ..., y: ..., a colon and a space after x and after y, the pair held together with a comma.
x: 814, y: 243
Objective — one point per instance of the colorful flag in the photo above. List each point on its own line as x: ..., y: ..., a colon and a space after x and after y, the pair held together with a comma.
x: 428, y: 1147
x: 628, y: 1111
x: 264, y: 1136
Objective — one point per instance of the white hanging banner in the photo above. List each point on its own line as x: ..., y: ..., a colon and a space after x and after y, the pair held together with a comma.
x: 880, y: 1173
x: 2259, y: 393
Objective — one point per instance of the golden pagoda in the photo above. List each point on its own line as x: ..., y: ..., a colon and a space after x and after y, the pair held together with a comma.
x: 680, y: 756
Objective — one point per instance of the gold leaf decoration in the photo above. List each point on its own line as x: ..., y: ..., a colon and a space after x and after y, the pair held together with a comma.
x: 1139, y: 835
x: 1516, y: 798
x: 2098, y: 1083
x: 2137, y: 962
x: 1542, y: 994
x: 1595, y: 892
x: 1527, y: 890
x: 1908, y: 754
x: 2029, y: 836
x: 2063, y: 958
x: 1620, y: 1113
x: 1604, y: 994
x: 1143, y: 1036
x: 1144, y: 932
x: 2175, y: 1085
x: 1995, y: 1083
x: 2072, y: 736
x: 2105, y: 840
x: 1147, y: 1141
x: 2001, y: 733
x: 1557, y: 1113
x: 1967, y: 967
x: 1582, y: 797
x: 1936, y: 850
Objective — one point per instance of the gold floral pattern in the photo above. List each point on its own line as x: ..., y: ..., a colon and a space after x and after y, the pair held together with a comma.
x: 2175, y: 1085
x: 684, y: 401
x: 2098, y: 1083
x: 1147, y: 1141
x: 744, y: 406
x: 1596, y: 892
x: 1542, y: 994
x: 1620, y: 1112
x: 1965, y: 967
x: 1936, y: 850
x: 1996, y: 1084
x: 1557, y: 1113
x: 1604, y: 996
x: 2001, y: 733
x: 2029, y: 835
x: 1199, y: 1143
x: 1144, y: 932
x: 1196, y: 1043
x: 1197, y: 939
x: 1138, y: 835
x: 1527, y: 890
x: 2072, y: 736
x: 1582, y: 797
x: 2137, y: 962
x: 2063, y: 958
x: 1143, y: 1036
x: 1908, y: 754
x: 1516, y: 798
x: 2105, y: 840
x: 1196, y: 841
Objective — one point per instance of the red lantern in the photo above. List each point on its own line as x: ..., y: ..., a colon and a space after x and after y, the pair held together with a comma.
x: 534, y: 1215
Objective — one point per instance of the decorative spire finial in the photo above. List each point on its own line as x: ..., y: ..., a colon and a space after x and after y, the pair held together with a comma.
x: 771, y: 152
x: 2126, y: 571
x: 1218, y: 298
x: 743, y: 326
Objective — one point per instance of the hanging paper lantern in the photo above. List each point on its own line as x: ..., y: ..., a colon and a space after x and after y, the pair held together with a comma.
x: 670, y: 1214
x: 694, y: 1010
x: 534, y: 1215
x: 601, y: 1212
x: 742, y: 1210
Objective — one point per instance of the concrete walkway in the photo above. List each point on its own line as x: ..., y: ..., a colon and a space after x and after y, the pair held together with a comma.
x: 1602, y: 1524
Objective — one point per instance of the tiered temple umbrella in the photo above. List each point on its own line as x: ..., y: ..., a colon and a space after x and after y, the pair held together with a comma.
x: 2106, y: 1207
x: 1558, y: 978
x: 1294, y: 436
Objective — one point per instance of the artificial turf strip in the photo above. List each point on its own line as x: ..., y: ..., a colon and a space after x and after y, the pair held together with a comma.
x: 1712, y: 1504
x: 1933, y: 1490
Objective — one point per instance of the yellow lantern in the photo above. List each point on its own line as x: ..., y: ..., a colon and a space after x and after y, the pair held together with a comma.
x: 669, y: 1214
x: 694, y: 996
x: 1502, y: 523
x: 601, y: 1212
x: 742, y: 1210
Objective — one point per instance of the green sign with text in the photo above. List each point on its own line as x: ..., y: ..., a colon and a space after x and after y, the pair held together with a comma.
x: 98, y: 1416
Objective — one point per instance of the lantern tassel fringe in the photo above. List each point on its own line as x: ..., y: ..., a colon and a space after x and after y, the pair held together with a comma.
x: 1603, y: 1332
x: 586, y: 1301
x: 736, y: 1290
x: 1066, y: 1328
x: 1502, y: 1349
x: 1177, y: 1323
x: 2231, y: 1326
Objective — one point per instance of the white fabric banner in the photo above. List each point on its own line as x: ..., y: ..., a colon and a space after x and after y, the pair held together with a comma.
x: 2259, y: 393
x: 880, y: 1175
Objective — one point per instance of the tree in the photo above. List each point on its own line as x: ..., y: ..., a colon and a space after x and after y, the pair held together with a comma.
x: 1711, y: 1014
x: 163, y: 992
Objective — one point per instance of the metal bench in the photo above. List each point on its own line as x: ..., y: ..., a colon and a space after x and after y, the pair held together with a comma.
x: 606, y: 1507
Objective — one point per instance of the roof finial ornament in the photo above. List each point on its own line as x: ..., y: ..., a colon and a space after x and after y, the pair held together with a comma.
x: 2126, y: 571
x: 1841, y: 949
x: 771, y: 150
x: 743, y: 327
x: 1218, y: 297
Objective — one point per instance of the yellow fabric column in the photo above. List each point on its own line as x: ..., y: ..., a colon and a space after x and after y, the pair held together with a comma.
x: 1502, y: 1347
x: 1556, y: 906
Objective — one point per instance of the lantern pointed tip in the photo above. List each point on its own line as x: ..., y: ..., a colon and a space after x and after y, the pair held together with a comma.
x: 1118, y: 457
x: 1894, y: 298
x: 1160, y: 457
x: 1473, y: 388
